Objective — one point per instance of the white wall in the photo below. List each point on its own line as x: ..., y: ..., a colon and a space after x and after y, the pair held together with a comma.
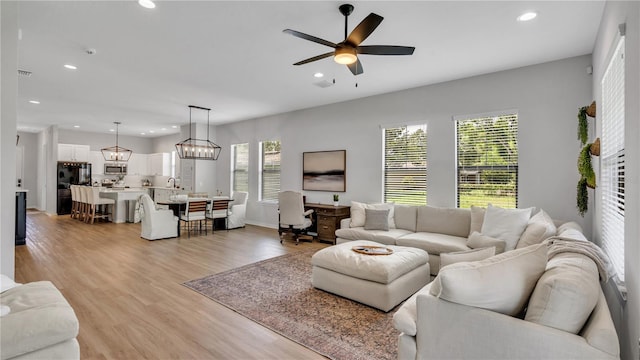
x: 98, y: 141
x: 547, y: 97
x: 29, y: 141
x: 625, y: 315
x: 8, y: 96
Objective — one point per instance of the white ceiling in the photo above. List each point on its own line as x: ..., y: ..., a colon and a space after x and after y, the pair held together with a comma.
x: 233, y: 57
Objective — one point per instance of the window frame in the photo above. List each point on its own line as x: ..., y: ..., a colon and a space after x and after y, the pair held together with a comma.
x: 510, y: 167
x: 401, y: 194
x: 612, y: 165
x: 234, y: 166
x: 261, y: 190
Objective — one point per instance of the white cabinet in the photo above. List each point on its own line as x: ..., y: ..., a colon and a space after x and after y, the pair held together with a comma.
x: 72, y: 152
x: 137, y: 164
x: 97, y: 162
x: 159, y: 164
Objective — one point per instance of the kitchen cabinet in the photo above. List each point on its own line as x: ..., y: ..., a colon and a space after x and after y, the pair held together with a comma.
x: 73, y: 152
x: 138, y: 164
x: 97, y: 162
x: 159, y: 164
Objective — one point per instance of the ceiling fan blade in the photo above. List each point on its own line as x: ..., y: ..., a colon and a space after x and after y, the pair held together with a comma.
x: 315, y: 58
x: 364, y: 29
x: 356, y: 67
x: 309, y: 37
x: 385, y: 50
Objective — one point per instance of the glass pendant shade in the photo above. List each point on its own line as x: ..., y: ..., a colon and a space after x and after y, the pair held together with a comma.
x: 116, y: 153
x: 198, y: 149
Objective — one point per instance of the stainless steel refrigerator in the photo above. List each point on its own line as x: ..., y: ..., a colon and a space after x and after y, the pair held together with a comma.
x: 70, y: 173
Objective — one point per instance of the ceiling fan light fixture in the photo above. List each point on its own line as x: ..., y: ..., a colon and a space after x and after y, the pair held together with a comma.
x: 345, y: 56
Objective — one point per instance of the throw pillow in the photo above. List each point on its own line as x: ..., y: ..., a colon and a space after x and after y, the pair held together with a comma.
x: 477, y: 241
x: 467, y: 255
x: 566, y: 293
x: 501, y: 283
x: 358, y: 215
x: 540, y: 227
x: 505, y: 224
x: 376, y: 219
x: 477, y: 217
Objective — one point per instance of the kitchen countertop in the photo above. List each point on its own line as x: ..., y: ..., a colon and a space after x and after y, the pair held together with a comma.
x: 21, y: 190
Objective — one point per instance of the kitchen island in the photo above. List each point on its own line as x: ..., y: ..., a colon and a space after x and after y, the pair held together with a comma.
x: 121, y: 197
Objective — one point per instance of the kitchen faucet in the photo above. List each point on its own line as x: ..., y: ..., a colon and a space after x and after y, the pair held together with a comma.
x: 169, y: 181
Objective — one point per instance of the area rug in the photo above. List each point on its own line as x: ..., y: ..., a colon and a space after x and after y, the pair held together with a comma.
x: 277, y: 293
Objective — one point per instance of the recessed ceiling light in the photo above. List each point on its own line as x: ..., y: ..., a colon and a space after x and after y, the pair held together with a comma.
x: 175, y: 126
x: 112, y: 129
x: 141, y: 133
x: 34, y: 101
x: 527, y: 16
x: 152, y: 131
x: 147, y: 4
x: 70, y: 67
x: 318, y: 75
x: 163, y: 129
x: 76, y: 126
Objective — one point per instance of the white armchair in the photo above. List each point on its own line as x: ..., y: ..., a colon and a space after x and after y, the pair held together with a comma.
x: 157, y: 224
x: 237, y: 210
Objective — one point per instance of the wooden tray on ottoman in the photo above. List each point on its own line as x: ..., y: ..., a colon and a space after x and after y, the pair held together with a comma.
x: 372, y: 250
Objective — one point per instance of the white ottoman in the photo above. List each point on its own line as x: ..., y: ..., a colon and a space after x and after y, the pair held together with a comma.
x: 380, y: 281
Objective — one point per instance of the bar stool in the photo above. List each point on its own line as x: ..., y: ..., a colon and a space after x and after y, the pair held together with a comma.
x: 101, y: 205
x: 74, y: 201
x: 82, y: 205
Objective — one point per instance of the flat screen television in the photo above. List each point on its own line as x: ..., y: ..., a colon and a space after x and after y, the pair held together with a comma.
x: 324, y: 170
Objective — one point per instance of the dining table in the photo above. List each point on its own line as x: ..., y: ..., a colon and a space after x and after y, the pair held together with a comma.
x: 178, y: 205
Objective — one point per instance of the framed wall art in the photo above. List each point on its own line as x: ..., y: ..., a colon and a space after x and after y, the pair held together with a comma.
x: 324, y: 170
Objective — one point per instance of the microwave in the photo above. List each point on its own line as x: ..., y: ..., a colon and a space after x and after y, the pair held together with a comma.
x: 115, y: 169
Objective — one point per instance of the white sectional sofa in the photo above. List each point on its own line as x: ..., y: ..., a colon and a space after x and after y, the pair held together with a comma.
x: 433, y: 229
x: 564, y: 315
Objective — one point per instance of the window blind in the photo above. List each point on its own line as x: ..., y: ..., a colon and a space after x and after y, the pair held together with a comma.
x: 405, y: 165
x: 240, y: 167
x: 487, y: 161
x: 270, y: 174
x: 612, y: 160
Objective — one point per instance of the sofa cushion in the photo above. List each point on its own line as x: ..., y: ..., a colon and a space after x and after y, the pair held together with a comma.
x: 571, y: 230
x: 477, y: 240
x: 383, y: 237
x: 467, y: 255
x: 378, y: 268
x: 566, y: 293
x: 505, y: 224
x: 433, y: 243
x: 477, y: 218
x: 376, y: 219
x: 40, y: 317
x: 448, y: 221
x: 501, y: 283
x: 358, y: 215
x: 405, y: 217
x: 539, y: 228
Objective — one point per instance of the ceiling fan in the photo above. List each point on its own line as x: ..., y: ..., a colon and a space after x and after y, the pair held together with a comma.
x: 346, y: 52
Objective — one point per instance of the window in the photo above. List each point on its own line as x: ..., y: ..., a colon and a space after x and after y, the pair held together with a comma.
x: 240, y: 167
x: 612, y: 160
x: 405, y: 165
x: 487, y: 161
x: 270, y: 170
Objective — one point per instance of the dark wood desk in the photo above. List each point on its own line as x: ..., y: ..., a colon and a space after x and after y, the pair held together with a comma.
x: 327, y: 219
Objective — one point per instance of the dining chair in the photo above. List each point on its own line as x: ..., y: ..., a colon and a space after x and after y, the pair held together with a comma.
x: 237, y: 210
x: 195, y: 211
x: 74, y: 201
x: 219, y: 210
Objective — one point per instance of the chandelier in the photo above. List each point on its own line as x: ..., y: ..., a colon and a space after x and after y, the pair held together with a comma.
x: 198, y: 149
x: 116, y: 153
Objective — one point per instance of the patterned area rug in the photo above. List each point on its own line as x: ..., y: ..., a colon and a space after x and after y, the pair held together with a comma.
x: 277, y: 293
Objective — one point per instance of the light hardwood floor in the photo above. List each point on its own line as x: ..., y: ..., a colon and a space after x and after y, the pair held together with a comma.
x: 127, y: 292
